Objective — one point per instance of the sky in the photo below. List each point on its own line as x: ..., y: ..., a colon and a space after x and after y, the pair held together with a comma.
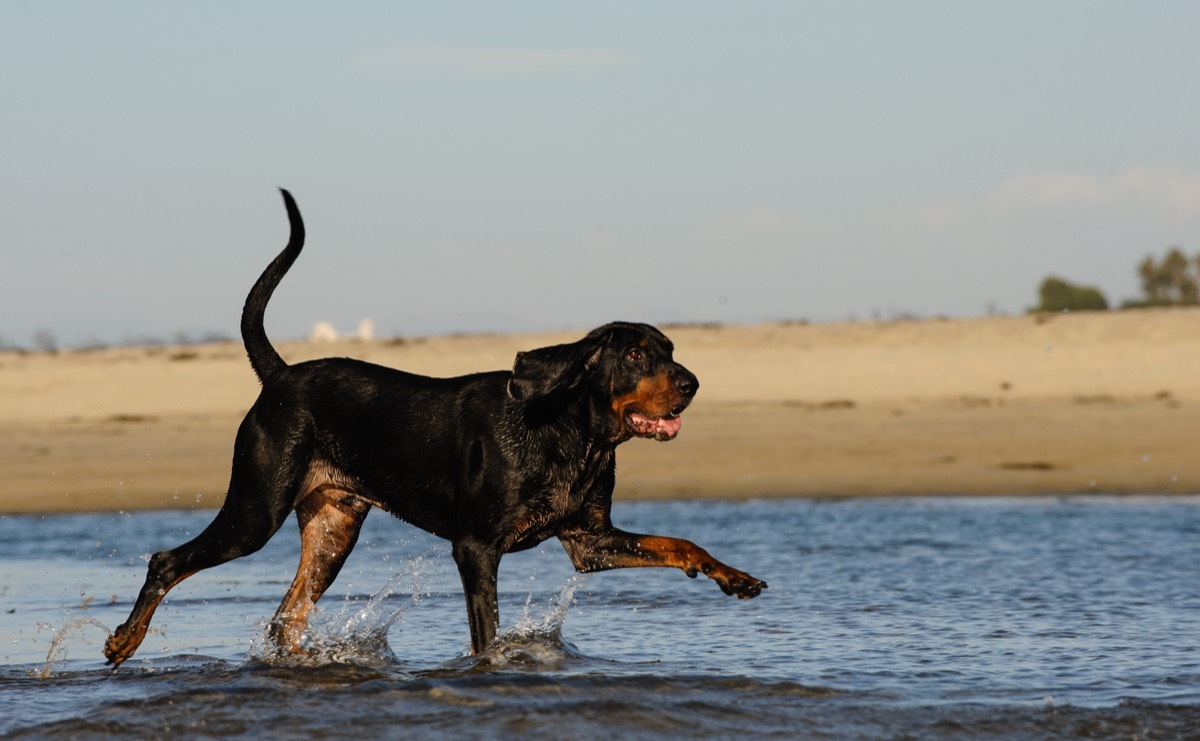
x: 532, y: 166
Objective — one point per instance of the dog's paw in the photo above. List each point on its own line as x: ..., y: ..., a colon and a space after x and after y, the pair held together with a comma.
x: 739, y: 583
x: 117, y: 648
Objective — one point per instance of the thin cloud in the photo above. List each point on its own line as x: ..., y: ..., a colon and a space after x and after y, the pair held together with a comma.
x: 1147, y: 195
x: 1167, y: 191
x: 474, y: 61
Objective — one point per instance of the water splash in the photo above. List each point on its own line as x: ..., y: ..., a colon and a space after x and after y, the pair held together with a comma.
x: 57, y: 653
x: 536, y: 640
x: 357, y: 633
x: 554, y: 615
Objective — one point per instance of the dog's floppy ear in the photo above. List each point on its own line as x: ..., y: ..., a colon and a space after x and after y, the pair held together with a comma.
x: 546, y: 370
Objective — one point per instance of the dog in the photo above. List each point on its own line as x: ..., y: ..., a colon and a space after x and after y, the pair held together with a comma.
x: 494, y: 462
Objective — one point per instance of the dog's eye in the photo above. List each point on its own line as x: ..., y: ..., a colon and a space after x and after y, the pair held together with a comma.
x: 634, y: 354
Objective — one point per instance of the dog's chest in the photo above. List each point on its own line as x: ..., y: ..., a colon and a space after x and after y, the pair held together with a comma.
x: 557, y: 501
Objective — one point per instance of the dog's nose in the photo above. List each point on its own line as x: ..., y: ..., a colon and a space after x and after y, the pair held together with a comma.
x: 686, y: 382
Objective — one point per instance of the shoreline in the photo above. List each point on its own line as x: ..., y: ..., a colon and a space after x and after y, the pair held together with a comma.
x: 1083, y: 403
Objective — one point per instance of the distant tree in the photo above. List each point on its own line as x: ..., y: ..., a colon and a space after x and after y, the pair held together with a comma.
x: 1057, y: 294
x: 44, y: 340
x: 1175, y: 281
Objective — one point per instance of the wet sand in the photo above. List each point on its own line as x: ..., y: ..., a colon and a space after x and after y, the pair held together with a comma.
x: 1101, y: 402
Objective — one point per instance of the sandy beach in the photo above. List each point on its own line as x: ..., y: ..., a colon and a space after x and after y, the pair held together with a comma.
x: 1089, y: 402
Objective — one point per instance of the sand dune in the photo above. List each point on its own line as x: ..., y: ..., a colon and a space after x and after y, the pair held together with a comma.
x: 1102, y: 402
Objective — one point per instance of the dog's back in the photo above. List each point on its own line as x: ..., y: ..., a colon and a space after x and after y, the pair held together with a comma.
x: 394, y: 438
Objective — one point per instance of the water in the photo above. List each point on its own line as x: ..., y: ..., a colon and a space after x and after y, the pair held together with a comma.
x: 886, y: 618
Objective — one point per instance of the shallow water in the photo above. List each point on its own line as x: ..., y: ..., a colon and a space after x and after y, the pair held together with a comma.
x: 885, y: 618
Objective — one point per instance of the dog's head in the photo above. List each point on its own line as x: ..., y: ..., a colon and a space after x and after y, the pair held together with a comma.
x: 623, y: 372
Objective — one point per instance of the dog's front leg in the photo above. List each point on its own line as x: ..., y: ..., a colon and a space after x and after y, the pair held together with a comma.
x: 617, y: 549
x: 478, y: 566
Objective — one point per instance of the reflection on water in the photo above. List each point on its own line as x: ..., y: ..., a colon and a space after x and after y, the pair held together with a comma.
x: 885, y: 617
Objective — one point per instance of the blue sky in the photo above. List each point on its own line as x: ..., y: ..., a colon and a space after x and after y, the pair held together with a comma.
x: 533, y: 166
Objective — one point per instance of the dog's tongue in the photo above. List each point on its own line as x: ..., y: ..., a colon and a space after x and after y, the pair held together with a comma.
x: 669, y: 425
x: 663, y: 428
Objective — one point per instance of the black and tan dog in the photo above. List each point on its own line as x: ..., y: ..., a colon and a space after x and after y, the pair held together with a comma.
x: 493, y: 462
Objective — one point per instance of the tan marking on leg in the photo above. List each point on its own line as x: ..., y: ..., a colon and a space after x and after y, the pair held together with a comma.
x: 329, y: 525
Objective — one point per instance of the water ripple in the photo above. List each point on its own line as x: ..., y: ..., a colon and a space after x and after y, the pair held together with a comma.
x: 925, y: 618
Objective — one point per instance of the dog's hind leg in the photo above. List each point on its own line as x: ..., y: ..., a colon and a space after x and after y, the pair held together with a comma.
x: 329, y: 528
x: 239, y: 529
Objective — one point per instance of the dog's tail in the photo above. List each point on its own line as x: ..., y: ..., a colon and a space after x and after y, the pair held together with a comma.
x: 264, y: 358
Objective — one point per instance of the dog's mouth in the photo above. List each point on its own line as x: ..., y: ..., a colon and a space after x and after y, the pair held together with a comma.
x: 661, y: 428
